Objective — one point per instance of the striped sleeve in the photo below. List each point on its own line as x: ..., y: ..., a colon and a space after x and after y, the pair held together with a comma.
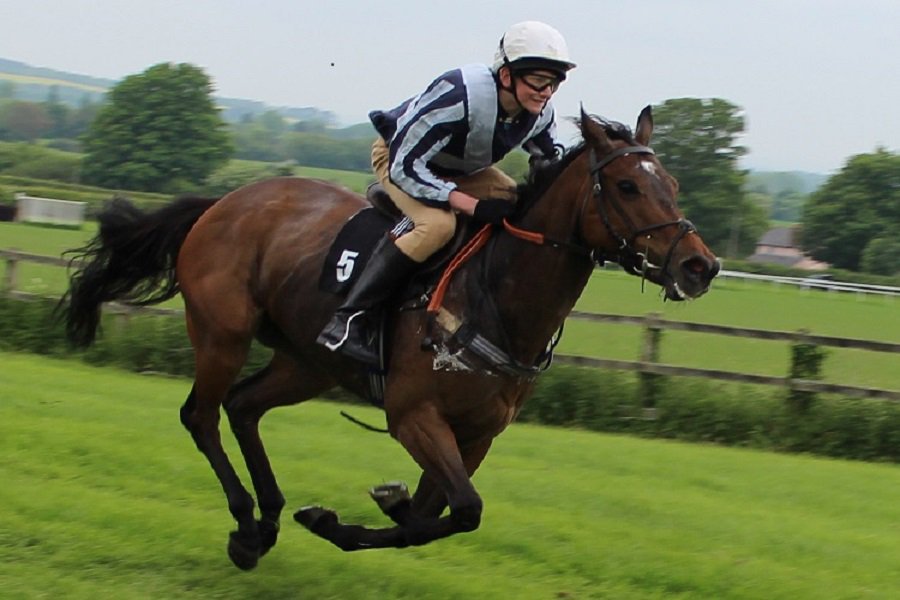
x: 424, y: 129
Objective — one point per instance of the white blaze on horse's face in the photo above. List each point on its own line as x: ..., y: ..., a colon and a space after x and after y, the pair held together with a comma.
x: 649, y: 167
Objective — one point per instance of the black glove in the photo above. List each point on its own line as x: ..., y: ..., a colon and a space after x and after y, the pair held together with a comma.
x: 493, y: 211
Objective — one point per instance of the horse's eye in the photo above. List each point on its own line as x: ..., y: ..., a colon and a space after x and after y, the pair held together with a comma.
x: 626, y: 186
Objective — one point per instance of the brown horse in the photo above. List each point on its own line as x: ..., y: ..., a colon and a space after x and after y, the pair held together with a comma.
x: 247, y: 265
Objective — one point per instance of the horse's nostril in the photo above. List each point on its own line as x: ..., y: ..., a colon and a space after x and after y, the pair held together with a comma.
x: 700, y: 268
x: 694, y: 266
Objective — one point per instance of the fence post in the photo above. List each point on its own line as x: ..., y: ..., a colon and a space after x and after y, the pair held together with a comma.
x: 806, y: 363
x: 10, y: 277
x: 650, y: 382
x: 121, y: 319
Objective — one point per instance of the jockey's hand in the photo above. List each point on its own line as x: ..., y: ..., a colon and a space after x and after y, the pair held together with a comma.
x: 462, y: 202
x: 493, y: 211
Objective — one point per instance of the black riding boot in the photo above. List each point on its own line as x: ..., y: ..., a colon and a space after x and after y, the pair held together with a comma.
x: 347, y: 330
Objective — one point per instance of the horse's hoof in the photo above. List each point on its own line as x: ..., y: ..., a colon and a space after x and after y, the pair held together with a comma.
x: 244, y: 556
x: 315, y: 518
x: 388, y: 495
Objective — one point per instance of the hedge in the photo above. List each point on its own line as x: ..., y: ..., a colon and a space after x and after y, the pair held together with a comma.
x: 687, y: 409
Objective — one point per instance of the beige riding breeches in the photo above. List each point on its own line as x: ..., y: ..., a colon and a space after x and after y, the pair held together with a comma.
x: 435, y: 226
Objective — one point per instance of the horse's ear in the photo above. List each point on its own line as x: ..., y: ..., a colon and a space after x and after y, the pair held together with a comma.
x: 644, y: 126
x: 594, y: 133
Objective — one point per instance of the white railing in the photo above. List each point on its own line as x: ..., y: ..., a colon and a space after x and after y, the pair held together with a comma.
x: 816, y: 283
x: 49, y: 210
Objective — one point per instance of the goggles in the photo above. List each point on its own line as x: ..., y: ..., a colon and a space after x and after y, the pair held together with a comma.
x: 539, y: 83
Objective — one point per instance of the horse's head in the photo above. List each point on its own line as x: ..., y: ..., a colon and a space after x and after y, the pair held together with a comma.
x: 632, y: 217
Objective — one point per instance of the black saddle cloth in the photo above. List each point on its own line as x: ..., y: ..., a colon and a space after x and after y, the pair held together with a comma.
x: 355, y: 242
x: 352, y: 248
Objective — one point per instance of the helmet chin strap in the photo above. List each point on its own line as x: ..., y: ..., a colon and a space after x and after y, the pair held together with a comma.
x: 512, y: 88
x: 512, y: 78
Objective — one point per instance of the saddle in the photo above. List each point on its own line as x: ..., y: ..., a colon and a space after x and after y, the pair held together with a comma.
x: 351, y: 250
x: 355, y: 242
x: 380, y: 199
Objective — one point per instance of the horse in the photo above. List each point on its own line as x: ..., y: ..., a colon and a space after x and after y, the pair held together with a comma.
x: 247, y: 266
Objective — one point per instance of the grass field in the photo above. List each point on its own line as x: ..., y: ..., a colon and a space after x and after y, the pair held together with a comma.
x: 734, y: 302
x: 354, y: 180
x: 105, y: 496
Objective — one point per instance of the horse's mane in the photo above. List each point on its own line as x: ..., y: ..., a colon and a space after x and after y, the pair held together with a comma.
x: 542, y: 174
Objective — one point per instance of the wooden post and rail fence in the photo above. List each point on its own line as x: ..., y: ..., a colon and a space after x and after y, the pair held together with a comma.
x: 803, y: 382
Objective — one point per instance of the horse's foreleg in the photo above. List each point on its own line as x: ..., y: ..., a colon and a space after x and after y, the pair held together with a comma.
x: 281, y: 383
x: 429, y: 500
x: 394, y: 500
x: 431, y: 442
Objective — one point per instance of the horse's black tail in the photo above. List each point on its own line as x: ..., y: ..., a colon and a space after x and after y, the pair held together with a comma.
x: 131, y: 259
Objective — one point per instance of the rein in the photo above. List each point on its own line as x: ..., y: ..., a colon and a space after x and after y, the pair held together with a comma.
x: 632, y: 260
x: 540, y: 239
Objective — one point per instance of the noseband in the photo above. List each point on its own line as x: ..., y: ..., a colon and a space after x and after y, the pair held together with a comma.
x: 627, y: 256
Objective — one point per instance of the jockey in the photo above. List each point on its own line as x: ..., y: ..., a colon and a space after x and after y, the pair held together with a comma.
x: 434, y: 158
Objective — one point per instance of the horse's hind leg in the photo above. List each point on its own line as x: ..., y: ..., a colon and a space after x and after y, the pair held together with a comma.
x: 280, y: 383
x: 220, y: 354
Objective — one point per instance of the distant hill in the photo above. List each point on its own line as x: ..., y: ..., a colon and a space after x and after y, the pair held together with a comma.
x: 34, y: 84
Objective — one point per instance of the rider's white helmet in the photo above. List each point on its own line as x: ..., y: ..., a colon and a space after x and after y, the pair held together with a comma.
x: 533, y: 45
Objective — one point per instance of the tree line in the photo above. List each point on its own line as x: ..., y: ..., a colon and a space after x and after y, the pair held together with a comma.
x: 160, y: 130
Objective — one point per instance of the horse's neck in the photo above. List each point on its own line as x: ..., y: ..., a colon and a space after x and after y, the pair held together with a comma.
x: 535, y: 287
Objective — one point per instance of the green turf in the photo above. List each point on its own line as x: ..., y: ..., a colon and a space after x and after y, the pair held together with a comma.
x: 103, y: 495
x: 354, y: 180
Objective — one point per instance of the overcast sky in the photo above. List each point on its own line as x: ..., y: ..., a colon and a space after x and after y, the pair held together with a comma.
x: 818, y: 80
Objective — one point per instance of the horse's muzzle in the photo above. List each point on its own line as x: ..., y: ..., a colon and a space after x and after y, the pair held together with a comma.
x: 692, y: 278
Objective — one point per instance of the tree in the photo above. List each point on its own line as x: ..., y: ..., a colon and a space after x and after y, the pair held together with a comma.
x: 882, y: 256
x: 57, y: 112
x: 696, y: 139
x: 24, y: 121
x: 256, y: 138
x: 81, y: 118
x: 788, y: 206
x: 320, y: 150
x: 859, y: 204
x: 159, y: 131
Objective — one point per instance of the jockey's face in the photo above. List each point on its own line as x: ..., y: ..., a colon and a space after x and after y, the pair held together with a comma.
x: 532, y: 88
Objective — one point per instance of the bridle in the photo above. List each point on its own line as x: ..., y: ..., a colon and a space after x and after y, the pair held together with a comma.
x: 627, y: 256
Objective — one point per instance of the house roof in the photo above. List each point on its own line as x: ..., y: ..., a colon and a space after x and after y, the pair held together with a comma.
x: 782, y: 237
x: 778, y: 259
